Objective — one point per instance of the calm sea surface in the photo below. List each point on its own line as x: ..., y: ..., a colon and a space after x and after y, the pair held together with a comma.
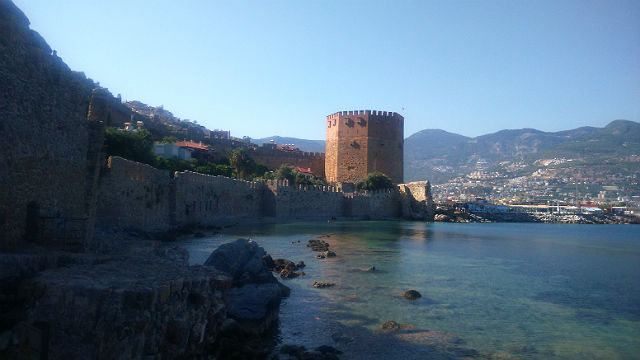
x: 531, y: 291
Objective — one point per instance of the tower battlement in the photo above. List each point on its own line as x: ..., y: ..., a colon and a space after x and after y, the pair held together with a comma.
x: 364, y: 112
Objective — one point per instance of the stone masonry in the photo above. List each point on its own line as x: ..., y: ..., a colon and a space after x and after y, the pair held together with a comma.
x: 364, y: 141
x: 137, y: 196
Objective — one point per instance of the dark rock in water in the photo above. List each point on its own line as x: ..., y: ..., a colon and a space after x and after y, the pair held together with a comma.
x: 293, y: 350
x: 300, y: 264
x: 318, y: 245
x: 369, y: 269
x: 322, y: 284
x: 326, y: 254
x: 268, y: 261
x: 288, y: 274
x: 281, y: 264
x: 326, y: 349
x: 323, y: 352
x: 287, y: 268
x: 254, y: 298
x: 244, y: 260
x: 411, y: 295
x: 255, y: 306
x: 390, y: 326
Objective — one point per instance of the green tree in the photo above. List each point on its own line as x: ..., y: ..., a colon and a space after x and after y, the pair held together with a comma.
x: 136, y: 146
x: 374, y: 181
x: 286, y: 171
x: 259, y: 170
x: 168, y: 140
x: 242, y: 163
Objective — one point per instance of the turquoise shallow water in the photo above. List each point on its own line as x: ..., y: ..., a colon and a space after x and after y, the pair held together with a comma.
x: 533, y: 291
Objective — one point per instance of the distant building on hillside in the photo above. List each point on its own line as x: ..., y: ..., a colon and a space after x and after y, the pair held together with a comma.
x: 307, y: 173
x: 170, y: 151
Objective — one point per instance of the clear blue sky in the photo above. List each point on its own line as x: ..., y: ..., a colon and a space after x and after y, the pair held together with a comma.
x: 262, y: 68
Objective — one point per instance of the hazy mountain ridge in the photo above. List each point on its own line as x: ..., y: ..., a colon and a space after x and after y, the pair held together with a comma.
x: 439, y: 155
x: 302, y: 144
x: 618, y: 138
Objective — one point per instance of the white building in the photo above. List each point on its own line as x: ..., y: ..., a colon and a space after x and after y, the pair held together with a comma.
x: 169, y: 151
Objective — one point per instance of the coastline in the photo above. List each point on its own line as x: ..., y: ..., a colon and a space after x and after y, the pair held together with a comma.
x: 464, y: 217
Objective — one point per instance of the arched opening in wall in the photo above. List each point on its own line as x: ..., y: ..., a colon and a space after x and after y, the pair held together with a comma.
x: 32, y: 223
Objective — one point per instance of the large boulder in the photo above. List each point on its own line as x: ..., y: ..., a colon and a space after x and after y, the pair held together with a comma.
x: 254, y: 299
x: 255, y: 306
x: 244, y: 260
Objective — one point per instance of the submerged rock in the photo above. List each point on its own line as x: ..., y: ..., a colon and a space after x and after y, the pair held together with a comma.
x: 289, y: 274
x: 369, y: 269
x: 390, y: 326
x: 323, y: 352
x: 411, y: 295
x: 322, y: 284
x: 318, y: 245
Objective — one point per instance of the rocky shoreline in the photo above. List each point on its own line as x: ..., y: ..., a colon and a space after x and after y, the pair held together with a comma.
x: 467, y: 217
x: 141, y: 301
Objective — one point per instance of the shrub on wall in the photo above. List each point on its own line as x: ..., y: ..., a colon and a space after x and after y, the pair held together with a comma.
x: 295, y: 177
x: 374, y: 181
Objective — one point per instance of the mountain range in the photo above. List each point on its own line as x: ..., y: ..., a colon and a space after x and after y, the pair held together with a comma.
x: 439, y: 155
x: 302, y: 144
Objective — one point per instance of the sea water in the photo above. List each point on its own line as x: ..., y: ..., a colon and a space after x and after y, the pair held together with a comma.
x: 533, y: 291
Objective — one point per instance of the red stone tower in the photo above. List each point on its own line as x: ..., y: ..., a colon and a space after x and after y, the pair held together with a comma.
x: 364, y: 141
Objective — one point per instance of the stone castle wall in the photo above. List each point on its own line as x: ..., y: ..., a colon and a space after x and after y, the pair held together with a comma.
x: 135, y: 195
x: 273, y: 158
x: 364, y: 141
x: 45, y: 188
x: 307, y: 201
x: 209, y: 200
x: 376, y: 205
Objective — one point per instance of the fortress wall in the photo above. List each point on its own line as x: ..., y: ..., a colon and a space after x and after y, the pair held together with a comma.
x: 45, y: 150
x: 420, y: 190
x: 306, y: 201
x: 207, y: 200
x: 275, y: 158
x: 377, y: 205
x: 134, y: 195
